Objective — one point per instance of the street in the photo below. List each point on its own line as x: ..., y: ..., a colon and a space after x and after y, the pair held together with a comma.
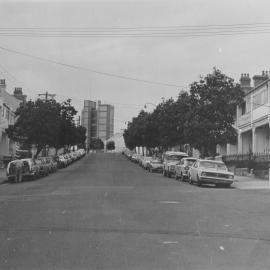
x: 104, y: 212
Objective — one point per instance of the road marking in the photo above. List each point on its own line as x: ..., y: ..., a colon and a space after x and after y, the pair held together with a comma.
x: 169, y: 202
x: 170, y: 242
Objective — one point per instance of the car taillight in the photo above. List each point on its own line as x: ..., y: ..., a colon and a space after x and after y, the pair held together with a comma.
x: 230, y: 176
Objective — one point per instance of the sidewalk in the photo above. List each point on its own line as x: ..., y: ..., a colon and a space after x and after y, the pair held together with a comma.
x: 249, y: 182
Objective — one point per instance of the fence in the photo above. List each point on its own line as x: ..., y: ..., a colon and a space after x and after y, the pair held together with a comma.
x: 258, y: 162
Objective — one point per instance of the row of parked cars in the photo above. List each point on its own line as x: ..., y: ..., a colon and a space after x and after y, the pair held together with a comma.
x: 182, y: 167
x: 30, y: 168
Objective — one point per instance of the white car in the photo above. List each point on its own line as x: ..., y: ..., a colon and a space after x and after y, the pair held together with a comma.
x: 182, y: 168
x: 155, y: 165
x: 146, y: 161
x: 210, y: 172
x: 21, y: 168
x: 170, y: 159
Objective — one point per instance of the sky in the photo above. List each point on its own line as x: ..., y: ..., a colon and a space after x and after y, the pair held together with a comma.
x: 174, y: 60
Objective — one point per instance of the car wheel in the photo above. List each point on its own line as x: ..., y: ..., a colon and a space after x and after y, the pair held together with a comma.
x: 190, y: 179
x: 20, y: 178
x: 199, y: 183
x: 164, y: 172
x: 181, y: 177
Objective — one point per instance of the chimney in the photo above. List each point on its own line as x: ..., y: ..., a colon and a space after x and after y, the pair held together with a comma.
x: 18, y: 93
x: 3, y: 82
x: 245, y: 82
x: 2, y: 85
x: 258, y: 79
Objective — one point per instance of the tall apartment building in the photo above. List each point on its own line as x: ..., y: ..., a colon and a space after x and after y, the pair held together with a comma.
x: 89, y: 120
x: 98, y: 119
x: 105, y: 121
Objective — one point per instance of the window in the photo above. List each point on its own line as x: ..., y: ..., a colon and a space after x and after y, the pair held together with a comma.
x: 102, y: 133
x: 243, y: 108
x: 102, y: 120
x: 103, y: 114
x: 248, y: 104
x: 260, y: 98
x: 7, y: 113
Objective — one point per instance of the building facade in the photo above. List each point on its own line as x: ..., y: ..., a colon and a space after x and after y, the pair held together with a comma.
x: 89, y: 120
x: 98, y: 119
x: 253, y: 116
x: 8, y: 105
x: 105, y: 121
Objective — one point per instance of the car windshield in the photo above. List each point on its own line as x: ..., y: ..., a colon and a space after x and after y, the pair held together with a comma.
x: 174, y: 157
x: 213, y: 165
x: 156, y: 161
x: 189, y: 162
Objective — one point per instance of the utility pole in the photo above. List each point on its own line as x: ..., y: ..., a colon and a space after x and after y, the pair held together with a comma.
x: 47, y: 95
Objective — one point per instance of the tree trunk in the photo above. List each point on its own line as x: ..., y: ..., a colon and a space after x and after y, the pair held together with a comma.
x: 39, y: 149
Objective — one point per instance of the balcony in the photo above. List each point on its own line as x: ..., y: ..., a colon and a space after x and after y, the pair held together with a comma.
x: 244, y: 120
x: 260, y: 112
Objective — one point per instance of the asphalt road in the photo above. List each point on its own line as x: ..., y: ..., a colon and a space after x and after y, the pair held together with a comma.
x: 105, y: 212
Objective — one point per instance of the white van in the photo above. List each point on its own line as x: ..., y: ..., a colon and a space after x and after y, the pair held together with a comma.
x: 170, y: 159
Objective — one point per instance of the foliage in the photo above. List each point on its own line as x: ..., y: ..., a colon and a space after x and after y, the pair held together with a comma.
x: 210, y: 122
x: 203, y: 118
x: 45, y: 123
x: 96, y: 144
x: 110, y: 145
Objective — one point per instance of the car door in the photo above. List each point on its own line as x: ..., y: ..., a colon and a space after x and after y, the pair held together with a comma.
x: 181, y: 167
x: 178, y: 167
x: 193, y: 170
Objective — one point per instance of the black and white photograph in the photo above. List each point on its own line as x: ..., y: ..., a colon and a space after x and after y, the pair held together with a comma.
x: 134, y: 135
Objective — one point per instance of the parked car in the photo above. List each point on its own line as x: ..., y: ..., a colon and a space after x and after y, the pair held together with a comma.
x: 53, y: 164
x: 170, y: 159
x: 135, y: 158
x: 62, y: 161
x: 145, y: 162
x: 210, y: 172
x: 155, y: 165
x: 45, y: 166
x: 182, y: 168
x: 19, y: 169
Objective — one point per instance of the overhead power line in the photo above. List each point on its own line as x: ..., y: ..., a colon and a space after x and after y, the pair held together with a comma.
x: 89, y: 69
x: 161, y: 31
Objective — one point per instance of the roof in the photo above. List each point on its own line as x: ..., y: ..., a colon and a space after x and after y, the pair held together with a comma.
x: 212, y: 161
x: 176, y: 153
x: 257, y: 86
x: 10, y: 100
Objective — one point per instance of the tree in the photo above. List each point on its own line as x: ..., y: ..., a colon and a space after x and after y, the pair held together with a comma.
x: 110, y: 145
x: 202, y: 118
x: 96, y: 144
x: 67, y: 129
x: 80, y: 136
x: 212, y: 113
x: 46, y: 123
x: 37, y: 123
